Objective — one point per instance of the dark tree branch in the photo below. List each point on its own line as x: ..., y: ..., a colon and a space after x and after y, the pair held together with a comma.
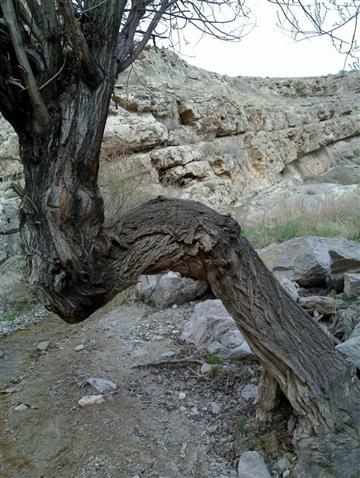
x: 134, y: 54
x: 36, y: 12
x: 40, y: 111
x: 91, y: 74
x: 30, y: 22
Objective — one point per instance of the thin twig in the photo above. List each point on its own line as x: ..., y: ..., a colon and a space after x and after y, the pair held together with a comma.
x: 53, y: 77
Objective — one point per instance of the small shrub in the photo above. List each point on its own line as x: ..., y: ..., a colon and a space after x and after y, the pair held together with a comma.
x: 124, y: 186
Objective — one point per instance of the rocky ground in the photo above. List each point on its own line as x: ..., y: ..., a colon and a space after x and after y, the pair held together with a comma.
x: 162, y: 421
x: 171, y: 407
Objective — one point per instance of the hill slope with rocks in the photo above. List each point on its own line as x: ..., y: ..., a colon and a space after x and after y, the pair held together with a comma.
x: 226, y: 141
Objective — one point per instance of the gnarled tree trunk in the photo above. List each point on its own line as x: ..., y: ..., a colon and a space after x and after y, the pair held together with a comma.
x: 78, y: 264
x: 194, y: 240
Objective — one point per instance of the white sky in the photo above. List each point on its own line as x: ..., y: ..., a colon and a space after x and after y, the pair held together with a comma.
x: 266, y: 51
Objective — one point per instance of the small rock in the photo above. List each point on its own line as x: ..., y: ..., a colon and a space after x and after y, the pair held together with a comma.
x: 321, y: 304
x: 183, y: 450
x: 248, y: 392
x: 182, y: 396
x: 168, y: 289
x: 291, y: 424
x: 211, y: 327
x: 168, y: 354
x: 251, y: 465
x: 1, y: 354
x: 21, y: 407
x: 43, y: 346
x: 90, y: 400
x: 206, y: 368
x: 282, y: 465
x: 352, y: 284
x: 194, y: 411
x: 79, y: 348
x: 101, y: 385
x: 290, y: 287
x: 182, y: 409
x: 215, y: 408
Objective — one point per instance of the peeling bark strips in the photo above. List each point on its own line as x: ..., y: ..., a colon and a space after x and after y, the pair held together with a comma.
x: 57, y: 73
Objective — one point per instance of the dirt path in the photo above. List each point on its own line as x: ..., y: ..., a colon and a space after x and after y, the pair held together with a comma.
x: 144, y: 430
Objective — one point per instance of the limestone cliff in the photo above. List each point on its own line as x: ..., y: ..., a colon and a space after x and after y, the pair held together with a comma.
x: 224, y: 140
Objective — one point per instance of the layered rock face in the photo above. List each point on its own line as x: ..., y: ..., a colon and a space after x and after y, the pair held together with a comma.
x: 224, y: 140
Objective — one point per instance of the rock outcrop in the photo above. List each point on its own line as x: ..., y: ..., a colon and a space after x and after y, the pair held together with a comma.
x: 313, y: 261
x: 224, y: 140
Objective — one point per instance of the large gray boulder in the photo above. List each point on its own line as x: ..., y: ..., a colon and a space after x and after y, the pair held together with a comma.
x: 304, y: 260
x: 313, y: 261
x: 355, y: 332
x: 351, y: 350
x: 211, y: 327
x: 344, y: 257
x: 252, y: 465
x: 171, y: 288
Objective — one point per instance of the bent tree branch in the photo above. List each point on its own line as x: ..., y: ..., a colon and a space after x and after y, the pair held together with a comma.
x: 320, y: 384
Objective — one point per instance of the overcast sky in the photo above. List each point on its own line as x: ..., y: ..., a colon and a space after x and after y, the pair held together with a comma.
x: 266, y: 51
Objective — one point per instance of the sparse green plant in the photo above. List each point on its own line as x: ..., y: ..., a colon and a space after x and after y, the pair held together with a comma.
x: 215, y: 370
x: 211, y: 187
x: 213, y: 359
x: 11, y: 194
x: 254, y: 444
x: 148, y: 301
x: 240, y: 426
x: 16, y: 310
x: 335, y: 218
x: 348, y: 299
x: 261, y: 236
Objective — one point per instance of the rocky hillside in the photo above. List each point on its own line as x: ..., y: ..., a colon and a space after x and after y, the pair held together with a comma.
x: 224, y: 140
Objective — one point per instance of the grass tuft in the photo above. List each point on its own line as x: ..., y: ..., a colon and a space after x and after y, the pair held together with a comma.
x: 337, y: 218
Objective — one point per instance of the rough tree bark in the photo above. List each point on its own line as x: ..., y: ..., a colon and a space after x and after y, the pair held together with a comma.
x: 78, y: 264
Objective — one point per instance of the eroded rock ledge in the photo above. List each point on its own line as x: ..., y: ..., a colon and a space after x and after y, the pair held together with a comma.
x: 222, y: 140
